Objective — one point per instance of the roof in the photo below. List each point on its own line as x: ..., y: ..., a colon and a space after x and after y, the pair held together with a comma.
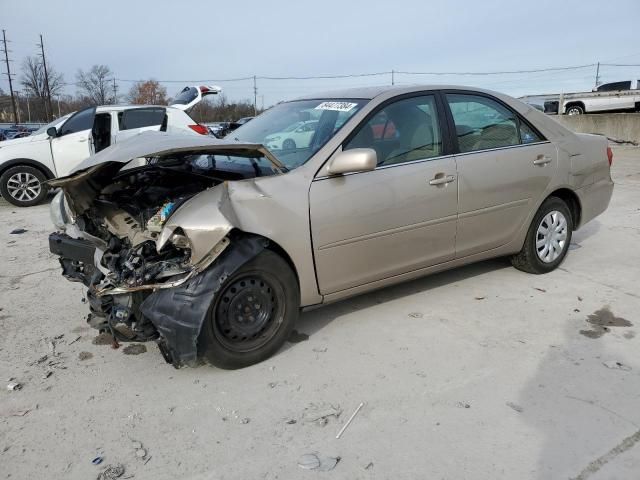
x: 371, y: 92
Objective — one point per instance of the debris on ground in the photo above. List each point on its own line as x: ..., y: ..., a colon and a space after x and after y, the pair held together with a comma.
x: 480, y: 298
x: 13, y: 386
x: 616, y: 365
x: 134, y: 349
x: 540, y: 289
x: 297, y: 337
x: 416, y: 315
x: 141, y: 453
x: 245, y: 420
x: 85, y: 356
x: 515, y: 407
x: 463, y: 405
x: 16, y: 413
x: 291, y: 421
x: 353, y: 415
x: 111, y: 472
x: 319, y: 413
x: 369, y: 466
x: 320, y: 350
x: 17, y: 231
x: 313, y: 461
x: 97, y: 460
x: 75, y: 340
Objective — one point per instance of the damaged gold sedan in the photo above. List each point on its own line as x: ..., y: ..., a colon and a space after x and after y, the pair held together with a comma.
x: 211, y: 247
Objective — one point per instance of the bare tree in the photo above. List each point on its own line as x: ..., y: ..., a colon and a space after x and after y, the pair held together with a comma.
x: 33, y: 79
x: 148, y: 93
x: 95, y: 84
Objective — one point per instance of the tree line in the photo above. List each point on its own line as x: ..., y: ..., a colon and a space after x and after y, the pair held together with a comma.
x: 97, y: 86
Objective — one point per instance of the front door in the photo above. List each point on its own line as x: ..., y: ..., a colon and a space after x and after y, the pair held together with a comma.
x: 400, y: 217
x: 74, y: 141
x: 504, y: 167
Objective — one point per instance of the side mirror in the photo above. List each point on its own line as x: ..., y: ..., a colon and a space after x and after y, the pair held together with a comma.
x: 52, y: 132
x: 354, y: 160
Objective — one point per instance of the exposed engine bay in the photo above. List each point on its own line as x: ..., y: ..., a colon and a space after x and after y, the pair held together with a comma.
x: 119, y: 238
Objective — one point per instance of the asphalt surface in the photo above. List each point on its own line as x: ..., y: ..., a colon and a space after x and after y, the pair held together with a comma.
x: 483, y: 372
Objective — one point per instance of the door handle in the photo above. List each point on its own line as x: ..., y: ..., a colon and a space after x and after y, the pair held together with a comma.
x: 441, y: 179
x: 542, y: 160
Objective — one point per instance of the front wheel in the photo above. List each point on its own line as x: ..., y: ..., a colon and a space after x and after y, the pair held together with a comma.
x: 547, y: 240
x: 253, y: 314
x: 23, y: 186
x: 288, y: 144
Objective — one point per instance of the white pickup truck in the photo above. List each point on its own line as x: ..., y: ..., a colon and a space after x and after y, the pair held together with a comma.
x: 56, y: 149
x: 608, y: 97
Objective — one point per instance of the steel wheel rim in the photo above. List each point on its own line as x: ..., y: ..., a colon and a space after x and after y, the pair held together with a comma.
x: 573, y: 111
x: 24, y: 186
x: 249, y: 312
x: 551, y: 236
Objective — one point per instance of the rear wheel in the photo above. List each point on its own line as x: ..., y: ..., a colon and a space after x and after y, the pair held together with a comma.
x: 547, y: 240
x: 575, y: 110
x: 288, y: 144
x: 23, y: 186
x: 253, y: 314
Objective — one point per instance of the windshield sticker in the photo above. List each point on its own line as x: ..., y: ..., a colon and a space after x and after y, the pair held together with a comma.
x: 337, y: 106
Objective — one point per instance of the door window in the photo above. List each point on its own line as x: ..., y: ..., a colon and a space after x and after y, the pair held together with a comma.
x: 403, y: 131
x: 482, y: 123
x: 83, y: 120
x: 140, y: 118
x: 612, y: 87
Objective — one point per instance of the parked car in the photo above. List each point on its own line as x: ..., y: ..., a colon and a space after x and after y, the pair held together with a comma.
x: 55, y: 150
x: 297, y: 135
x: 238, y: 123
x: 213, y: 247
x: 608, y: 97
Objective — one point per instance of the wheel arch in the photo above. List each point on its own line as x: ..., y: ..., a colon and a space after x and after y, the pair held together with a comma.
x: 575, y: 104
x: 16, y: 162
x: 569, y: 197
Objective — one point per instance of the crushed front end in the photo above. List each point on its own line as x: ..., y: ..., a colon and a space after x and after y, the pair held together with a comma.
x: 151, y: 244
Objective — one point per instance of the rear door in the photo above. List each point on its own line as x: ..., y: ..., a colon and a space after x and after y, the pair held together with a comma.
x: 504, y: 166
x: 73, y: 143
x: 133, y: 121
x: 374, y: 225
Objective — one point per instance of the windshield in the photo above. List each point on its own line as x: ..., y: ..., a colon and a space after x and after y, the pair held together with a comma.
x: 55, y: 123
x: 294, y: 131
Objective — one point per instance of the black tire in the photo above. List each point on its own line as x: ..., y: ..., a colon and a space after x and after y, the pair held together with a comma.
x: 528, y: 259
x: 289, y: 144
x: 574, y: 110
x: 229, y: 341
x: 36, y: 183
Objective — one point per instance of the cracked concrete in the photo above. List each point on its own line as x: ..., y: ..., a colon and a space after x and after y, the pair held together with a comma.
x: 481, y: 336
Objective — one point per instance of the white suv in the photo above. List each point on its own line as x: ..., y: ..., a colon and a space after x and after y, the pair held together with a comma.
x: 56, y: 149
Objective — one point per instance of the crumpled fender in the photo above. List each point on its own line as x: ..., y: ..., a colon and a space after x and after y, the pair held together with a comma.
x: 178, y: 313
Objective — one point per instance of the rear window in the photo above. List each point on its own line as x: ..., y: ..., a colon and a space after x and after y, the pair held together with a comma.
x: 140, y: 118
x: 186, y: 96
x: 610, y: 87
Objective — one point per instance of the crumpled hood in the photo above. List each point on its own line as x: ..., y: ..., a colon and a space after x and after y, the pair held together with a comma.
x: 82, y: 185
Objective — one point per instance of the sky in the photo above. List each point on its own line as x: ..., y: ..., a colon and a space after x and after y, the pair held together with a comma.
x: 194, y: 41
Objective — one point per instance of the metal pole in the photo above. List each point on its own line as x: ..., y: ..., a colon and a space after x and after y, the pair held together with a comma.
x: 393, y: 81
x: 115, y: 91
x: 59, y: 108
x: 28, y: 109
x: 255, y: 97
x: 598, y: 74
x: 18, y: 102
x: 6, y: 59
x: 46, y: 78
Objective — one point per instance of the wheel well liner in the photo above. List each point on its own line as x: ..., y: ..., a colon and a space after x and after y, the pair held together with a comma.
x: 574, y: 104
x: 573, y: 202
x: 28, y: 162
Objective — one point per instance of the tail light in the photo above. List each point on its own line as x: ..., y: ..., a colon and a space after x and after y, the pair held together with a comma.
x: 610, y: 155
x: 201, y: 129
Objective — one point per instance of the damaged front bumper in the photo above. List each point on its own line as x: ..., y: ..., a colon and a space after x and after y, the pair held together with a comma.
x: 172, y: 314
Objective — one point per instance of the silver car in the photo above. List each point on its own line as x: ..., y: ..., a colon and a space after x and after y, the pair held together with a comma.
x: 212, y: 247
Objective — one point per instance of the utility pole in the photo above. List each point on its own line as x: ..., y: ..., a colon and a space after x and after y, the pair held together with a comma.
x: 255, y: 97
x: 6, y: 59
x: 115, y: 91
x: 393, y: 80
x: 598, y: 74
x: 46, y: 79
